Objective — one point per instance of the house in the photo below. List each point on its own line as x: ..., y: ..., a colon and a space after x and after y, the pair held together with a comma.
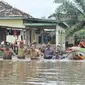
x: 14, y: 22
x: 41, y: 25
x: 11, y: 19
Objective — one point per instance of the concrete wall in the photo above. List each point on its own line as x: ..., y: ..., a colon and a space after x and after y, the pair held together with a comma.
x: 60, y: 37
x: 34, y: 36
x: 12, y: 23
x: 70, y: 40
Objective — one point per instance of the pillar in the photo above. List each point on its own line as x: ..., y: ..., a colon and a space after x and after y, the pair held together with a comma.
x: 30, y: 36
x: 26, y: 37
x: 22, y: 34
x: 63, y: 40
x: 2, y: 34
x: 57, y: 40
x: 42, y: 38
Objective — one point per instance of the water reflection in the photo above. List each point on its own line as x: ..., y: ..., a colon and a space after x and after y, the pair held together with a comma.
x: 42, y: 73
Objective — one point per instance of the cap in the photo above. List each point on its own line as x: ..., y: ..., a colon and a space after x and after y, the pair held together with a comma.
x: 21, y: 42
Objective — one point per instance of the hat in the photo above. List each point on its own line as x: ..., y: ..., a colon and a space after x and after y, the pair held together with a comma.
x: 21, y: 42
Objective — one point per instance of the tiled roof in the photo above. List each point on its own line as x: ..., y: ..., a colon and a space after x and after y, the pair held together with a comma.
x: 8, y: 10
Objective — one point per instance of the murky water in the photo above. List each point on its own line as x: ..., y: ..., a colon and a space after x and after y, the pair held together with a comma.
x: 42, y: 73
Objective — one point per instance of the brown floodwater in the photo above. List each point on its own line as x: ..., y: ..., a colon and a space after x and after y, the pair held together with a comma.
x: 43, y: 72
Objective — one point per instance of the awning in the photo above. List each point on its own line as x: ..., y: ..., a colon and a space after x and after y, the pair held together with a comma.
x: 39, y: 24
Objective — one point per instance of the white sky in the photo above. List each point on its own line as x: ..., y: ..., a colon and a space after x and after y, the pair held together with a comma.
x: 36, y: 8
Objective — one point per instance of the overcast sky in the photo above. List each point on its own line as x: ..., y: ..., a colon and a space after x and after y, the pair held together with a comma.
x: 36, y: 8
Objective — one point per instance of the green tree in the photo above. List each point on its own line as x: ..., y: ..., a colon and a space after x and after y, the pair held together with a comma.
x: 72, y: 13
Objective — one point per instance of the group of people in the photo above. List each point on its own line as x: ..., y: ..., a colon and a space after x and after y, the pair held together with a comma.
x: 33, y: 52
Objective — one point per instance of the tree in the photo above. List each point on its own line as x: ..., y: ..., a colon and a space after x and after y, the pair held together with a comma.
x: 73, y: 13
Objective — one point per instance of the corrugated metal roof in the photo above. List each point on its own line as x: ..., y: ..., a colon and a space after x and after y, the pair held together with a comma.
x: 8, y: 10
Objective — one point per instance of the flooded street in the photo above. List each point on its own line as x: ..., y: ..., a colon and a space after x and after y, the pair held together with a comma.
x: 42, y: 73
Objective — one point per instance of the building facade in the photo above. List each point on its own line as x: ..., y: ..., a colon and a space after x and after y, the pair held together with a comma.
x: 31, y: 29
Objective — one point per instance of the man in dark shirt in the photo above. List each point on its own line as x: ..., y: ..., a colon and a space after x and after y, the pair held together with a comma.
x: 48, y: 53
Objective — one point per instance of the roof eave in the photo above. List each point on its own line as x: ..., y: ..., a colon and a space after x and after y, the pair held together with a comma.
x: 38, y: 24
x: 13, y: 17
x: 42, y: 20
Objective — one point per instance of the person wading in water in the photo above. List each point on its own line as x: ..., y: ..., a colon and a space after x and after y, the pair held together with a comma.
x: 48, y: 53
x: 8, y: 52
x: 34, y: 53
x: 21, y: 51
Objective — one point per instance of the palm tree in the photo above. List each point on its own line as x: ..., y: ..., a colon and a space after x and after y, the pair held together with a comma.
x: 73, y: 13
